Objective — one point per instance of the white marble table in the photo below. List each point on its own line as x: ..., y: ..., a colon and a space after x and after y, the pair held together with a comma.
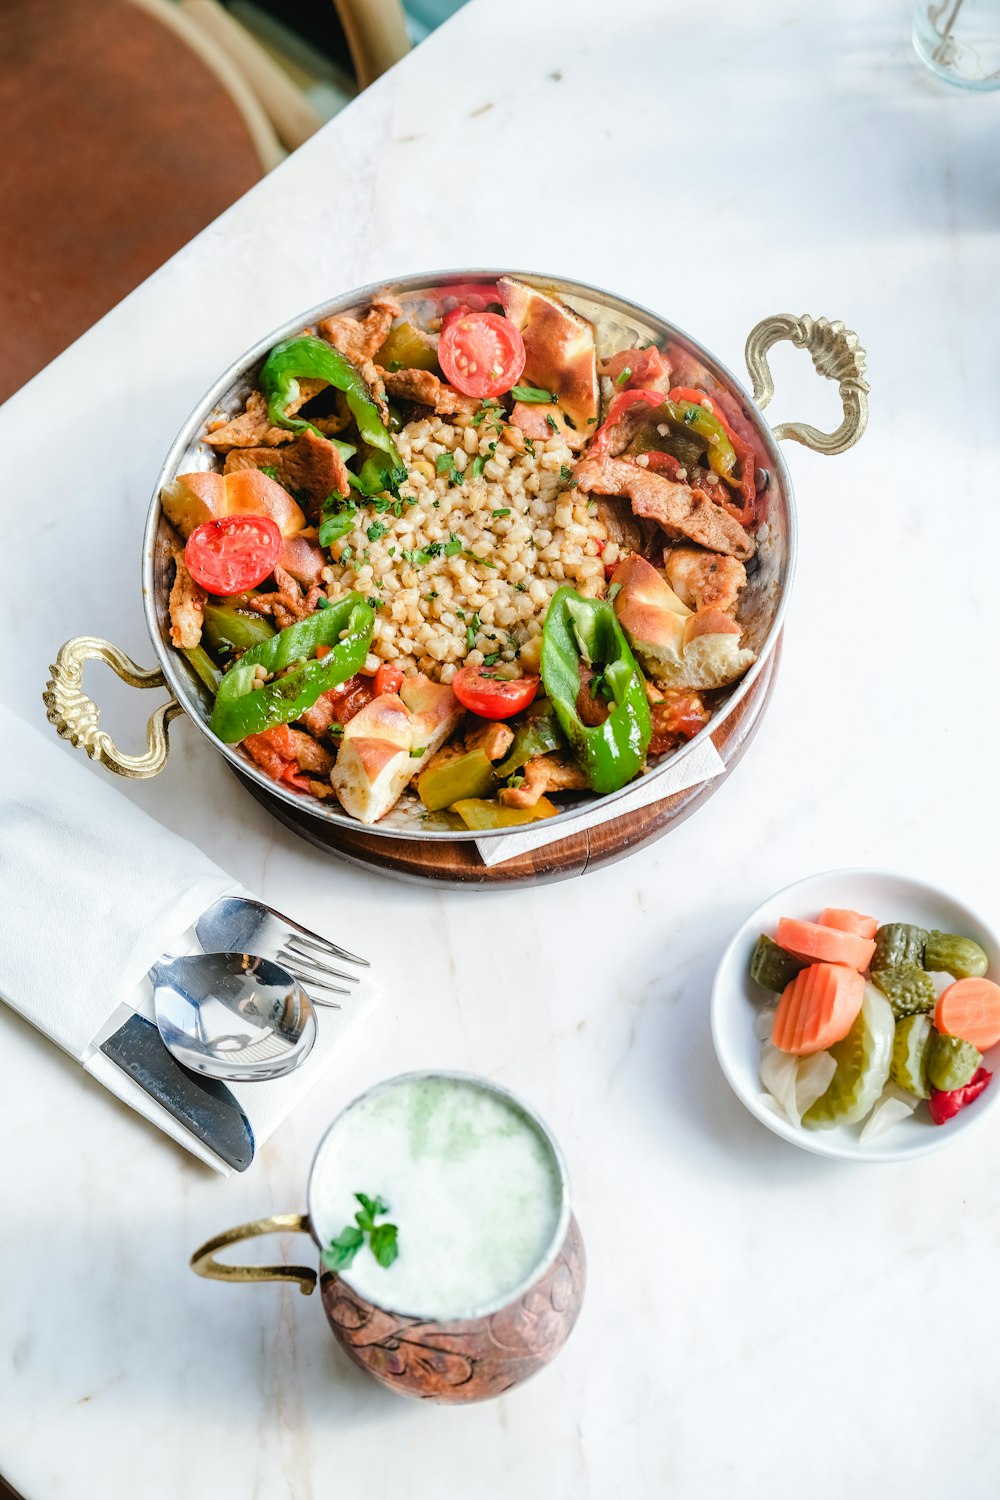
x: 759, y: 1323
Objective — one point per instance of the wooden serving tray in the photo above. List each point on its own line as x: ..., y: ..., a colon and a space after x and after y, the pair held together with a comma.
x: 458, y: 864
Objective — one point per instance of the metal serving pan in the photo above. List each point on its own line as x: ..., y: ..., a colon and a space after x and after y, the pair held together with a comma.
x: 836, y: 355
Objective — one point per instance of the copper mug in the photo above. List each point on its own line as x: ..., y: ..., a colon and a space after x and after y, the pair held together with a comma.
x: 457, y: 1360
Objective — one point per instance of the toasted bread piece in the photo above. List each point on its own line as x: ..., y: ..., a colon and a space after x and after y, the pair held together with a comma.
x: 560, y: 353
x: 677, y: 648
x: 378, y: 752
x: 713, y: 656
x: 374, y: 763
x: 436, y: 712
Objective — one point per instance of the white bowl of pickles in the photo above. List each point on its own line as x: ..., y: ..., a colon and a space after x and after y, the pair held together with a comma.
x: 857, y: 1015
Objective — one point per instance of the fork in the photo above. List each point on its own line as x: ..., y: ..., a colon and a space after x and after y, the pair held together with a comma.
x: 241, y: 924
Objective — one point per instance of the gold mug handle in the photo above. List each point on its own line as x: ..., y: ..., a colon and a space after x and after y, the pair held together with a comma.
x: 203, y: 1261
x: 837, y: 355
x: 76, y: 717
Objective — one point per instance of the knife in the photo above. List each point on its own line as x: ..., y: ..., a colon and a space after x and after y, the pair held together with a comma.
x: 204, y: 1106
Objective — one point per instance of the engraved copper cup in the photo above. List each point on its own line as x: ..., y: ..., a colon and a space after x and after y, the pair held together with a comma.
x: 470, y: 1358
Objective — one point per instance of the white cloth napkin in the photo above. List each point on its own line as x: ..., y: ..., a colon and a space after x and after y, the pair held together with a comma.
x: 700, y: 764
x: 92, y: 892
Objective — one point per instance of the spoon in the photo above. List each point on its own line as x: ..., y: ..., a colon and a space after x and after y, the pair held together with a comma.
x: 232, y: 1016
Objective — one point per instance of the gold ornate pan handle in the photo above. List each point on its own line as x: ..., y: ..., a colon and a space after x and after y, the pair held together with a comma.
x: 203, y: 1261
x: 76, y: 717
x: 837, y: 355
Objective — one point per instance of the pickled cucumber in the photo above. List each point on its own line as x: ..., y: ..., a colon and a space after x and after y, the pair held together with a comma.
x: 898, y: 943
x: 863, y: 1059
x: 908, y: 989
x: 952, y: 1063
x: 773, y: 967
x: 958, y: 956
x: 909, y: 1055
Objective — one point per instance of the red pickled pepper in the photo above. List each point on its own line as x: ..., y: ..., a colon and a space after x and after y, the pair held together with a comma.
x: 601, y: 440
x: 944, y: 1105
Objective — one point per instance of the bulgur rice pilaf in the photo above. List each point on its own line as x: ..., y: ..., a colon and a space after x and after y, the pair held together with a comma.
x: 459, y: 547
x: 531, y: 531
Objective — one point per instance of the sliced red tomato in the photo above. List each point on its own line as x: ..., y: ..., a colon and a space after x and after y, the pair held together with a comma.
x: 492, y: 697
x: 233, y: 553
x: 481, y: 354
x: 388, y: 679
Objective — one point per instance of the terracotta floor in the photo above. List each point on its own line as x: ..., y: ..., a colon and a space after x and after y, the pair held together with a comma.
x: 119, y: 146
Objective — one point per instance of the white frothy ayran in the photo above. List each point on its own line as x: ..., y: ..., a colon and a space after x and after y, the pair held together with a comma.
x: 472, y: 1185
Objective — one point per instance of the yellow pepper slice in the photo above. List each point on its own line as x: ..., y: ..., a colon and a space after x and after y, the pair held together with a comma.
x: 479, y: 814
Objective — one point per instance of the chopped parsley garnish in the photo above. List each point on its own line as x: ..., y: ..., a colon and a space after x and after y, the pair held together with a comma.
x: 415, y: 754
x: 531, y: 395
x: 564, y: 472
x: 498, y: 513
x: 375, y: 530
x: 394, y: 478
x: 374, y: 601
x: 383, y: 1239
x: 492, y: 659
x: 269, y: 470
x: 445, y: 463
x: 432, y: 595
x: 624, y: 376
x: 529, y: 446
x: 472, y: 629
x: 477, y: 466
x: 392, y: 552
x: 347, y: 553
x: 489, y: 409
x: 522, y: 588
x: 417, y: 557
x: 323, y: 602
x: 550, y: 419
x: 453, y: 547
x: 483, y: 560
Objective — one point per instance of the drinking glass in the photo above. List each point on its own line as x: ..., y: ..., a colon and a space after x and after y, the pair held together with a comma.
x: 959, y: 40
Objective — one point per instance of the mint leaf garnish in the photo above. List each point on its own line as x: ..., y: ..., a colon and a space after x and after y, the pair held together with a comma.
x: 382, y: 1238
x: 340, y: 1252
x: 384, y: 1242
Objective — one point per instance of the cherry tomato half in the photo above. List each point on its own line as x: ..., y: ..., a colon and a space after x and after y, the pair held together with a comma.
x: 492, y: 697
x: 233, y: 553
x: 481, y: 354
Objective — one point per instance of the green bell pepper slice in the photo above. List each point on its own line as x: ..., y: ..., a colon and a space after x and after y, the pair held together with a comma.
x: 536, y: 733
x: 313, y: 358
x: 576, y: 629
x: 241, y: 709
x: 227, y: 628
x: 695, y: 418
x: 203, y: 666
